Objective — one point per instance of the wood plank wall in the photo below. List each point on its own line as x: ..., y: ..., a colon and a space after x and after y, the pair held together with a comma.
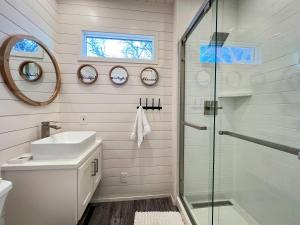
x: 110, y: 110
x: 19, y: 123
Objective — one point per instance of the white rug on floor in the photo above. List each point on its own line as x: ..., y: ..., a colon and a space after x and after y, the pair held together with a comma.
x: 158, y: 218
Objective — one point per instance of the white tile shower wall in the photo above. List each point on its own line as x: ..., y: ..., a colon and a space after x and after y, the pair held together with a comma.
x: 19, y: 123
x: 111, y: 110
x: 266, y: 182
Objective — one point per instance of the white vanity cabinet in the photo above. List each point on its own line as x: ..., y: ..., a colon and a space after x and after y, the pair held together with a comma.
x: 52, y: 192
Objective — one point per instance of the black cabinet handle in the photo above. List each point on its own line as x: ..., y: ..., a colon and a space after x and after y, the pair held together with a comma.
x: 94, y: 173
x: 97, y: 165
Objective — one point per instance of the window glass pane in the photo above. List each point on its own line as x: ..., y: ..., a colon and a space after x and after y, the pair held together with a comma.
x: 26, y: 46
x: 114, y: 47
x: 227, y: 54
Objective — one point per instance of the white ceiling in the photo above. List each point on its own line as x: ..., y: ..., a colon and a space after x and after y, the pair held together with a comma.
x: 158, y: 1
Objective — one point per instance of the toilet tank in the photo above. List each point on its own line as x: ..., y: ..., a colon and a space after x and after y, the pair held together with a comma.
x: 5, y: 187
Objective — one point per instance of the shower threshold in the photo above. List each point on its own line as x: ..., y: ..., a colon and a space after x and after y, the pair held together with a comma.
x: 209, y: 204
x: 226, y: 212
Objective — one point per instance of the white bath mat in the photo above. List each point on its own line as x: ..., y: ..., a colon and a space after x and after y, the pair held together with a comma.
x: 158, y: 218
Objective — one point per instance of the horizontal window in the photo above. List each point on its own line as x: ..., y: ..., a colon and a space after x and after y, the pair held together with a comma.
x: 118, y: 46
x: 227, y: 54
x: 26, y: 46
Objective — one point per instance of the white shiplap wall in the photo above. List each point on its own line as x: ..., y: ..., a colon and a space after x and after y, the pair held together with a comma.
x: 111, y: 110
x: 19, y: 123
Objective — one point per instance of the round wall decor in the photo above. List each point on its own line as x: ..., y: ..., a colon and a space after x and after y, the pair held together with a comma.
x: 149, y: 76
x: 203, y: 78
x: 119, y: 75
x: 87, y: 74
x: 38, y: 81
x: 30, y: 71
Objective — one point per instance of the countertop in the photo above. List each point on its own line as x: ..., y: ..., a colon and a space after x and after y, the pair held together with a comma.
x: 53, y: 164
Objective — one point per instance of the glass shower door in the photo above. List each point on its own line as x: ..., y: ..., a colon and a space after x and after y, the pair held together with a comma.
x: 239, y: 166
x: 197, y: 118
x: 257, y: 168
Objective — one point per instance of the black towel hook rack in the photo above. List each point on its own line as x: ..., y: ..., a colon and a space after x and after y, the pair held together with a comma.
x: 153, y: 107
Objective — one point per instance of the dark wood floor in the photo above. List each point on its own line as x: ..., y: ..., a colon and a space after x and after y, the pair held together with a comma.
x: 122, y: 213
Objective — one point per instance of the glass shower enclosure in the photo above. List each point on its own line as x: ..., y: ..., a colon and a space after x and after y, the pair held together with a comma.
x: 240, y: 113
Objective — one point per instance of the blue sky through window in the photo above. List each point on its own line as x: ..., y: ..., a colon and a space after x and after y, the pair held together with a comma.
x: 227, y: 54
x: 26, y: 46
x: 124, y: 46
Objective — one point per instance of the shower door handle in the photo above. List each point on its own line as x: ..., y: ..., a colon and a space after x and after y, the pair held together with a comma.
x: 211, y: 108
x: 195, y: 126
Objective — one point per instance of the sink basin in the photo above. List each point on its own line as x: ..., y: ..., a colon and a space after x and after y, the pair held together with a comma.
x: 65, y: 145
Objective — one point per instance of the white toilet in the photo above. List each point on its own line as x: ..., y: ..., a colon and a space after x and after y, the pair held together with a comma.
x: 5, y: 187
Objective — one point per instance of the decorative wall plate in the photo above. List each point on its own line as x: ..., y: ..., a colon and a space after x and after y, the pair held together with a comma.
x: 87, y: 74
x: 119, y: 75
x: 232, y: 79
x: 149, y: 76
x: 203, y: 78
x: 30, y: 71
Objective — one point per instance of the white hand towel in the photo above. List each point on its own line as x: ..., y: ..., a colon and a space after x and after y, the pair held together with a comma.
x: 146, y: 125
x: 135, y: 125
x: 141, y: 127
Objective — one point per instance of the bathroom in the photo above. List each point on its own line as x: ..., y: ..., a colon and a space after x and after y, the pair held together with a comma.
x: 149, y: 112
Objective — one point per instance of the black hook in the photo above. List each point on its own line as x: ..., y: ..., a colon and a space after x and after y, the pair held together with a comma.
x: 140, y: 101
x: 152, y: 104
x: 146, y: 103
x: 159, y: 104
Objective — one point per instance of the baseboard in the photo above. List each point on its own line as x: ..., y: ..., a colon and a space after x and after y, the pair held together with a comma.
x: 174, y: 201
x: 183, y: 213
x: 129, y: 198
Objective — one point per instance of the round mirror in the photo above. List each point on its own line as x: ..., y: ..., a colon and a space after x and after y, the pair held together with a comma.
x: 30, y: 71
x: 26, y: 58
x: 87, y: 74
x: 149, y: 76
x: 118, y: 75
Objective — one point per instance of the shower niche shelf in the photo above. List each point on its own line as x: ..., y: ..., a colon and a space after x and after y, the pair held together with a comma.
x: 235, y: 94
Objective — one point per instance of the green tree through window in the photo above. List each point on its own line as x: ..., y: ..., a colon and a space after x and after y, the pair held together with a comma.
x: 138, y: 49
x: 114, y: 47
x: 26, y: 46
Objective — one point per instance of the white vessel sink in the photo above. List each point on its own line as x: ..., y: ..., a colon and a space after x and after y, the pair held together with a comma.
x: 5, y: 187
x: 65, y: 145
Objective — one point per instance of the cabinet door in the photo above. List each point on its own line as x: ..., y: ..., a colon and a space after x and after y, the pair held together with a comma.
x: 85, y: 185
x: 97, y: 158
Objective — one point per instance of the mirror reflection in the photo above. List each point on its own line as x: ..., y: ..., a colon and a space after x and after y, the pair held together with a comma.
x: 28, y: 61
x: 30, y: 71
